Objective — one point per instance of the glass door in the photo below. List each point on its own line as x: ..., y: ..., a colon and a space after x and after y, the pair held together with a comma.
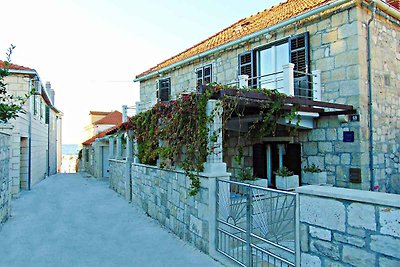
x: 271, y: 61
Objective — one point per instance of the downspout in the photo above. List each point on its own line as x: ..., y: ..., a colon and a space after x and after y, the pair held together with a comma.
x: 370, y: 109
x: 48, y: 142
x: 32, y: 99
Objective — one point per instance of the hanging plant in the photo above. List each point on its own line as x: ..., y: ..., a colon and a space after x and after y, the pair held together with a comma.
x: 175, y: 133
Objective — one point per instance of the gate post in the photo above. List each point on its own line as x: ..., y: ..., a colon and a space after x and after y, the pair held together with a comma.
x: 248, y: 227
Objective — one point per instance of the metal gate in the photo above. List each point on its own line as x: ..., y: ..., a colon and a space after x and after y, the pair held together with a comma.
x: 256, y: 226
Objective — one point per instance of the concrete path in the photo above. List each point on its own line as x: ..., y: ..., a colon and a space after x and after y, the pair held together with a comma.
x: 69, y: 220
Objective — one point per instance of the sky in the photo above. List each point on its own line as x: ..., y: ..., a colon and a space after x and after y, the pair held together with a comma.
x: 91, y: 50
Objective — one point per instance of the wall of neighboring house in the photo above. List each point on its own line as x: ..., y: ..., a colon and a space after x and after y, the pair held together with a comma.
x: 5, y: 179
x: 18, y: 84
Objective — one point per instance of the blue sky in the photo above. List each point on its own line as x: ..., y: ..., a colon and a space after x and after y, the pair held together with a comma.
x: 91, y: 50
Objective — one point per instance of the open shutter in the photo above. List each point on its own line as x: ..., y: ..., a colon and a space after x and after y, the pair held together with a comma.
x: 259, y: 161
x: 300, y: 57
x: 246, y: 67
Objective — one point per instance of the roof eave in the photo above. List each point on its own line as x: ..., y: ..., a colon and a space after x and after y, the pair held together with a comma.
x: 248, y: 37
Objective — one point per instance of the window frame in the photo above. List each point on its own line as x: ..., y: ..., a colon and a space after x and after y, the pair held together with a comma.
x: 161, y: 88
x: 203, y: 76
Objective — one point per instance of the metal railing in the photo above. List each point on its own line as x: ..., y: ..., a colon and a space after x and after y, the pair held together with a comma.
x: 304, y: 84
x: 256, y: 226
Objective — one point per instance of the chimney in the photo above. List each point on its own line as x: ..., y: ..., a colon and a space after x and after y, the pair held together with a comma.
x: 50, y: 92
x: 394, y: 3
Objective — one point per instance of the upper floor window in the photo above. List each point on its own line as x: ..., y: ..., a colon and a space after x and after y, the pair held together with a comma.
x: 203, y: 75
x: 264, y: 65
x: 164, y: 89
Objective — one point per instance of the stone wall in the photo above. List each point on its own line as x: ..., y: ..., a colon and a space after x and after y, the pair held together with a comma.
x: 164, y: 195
x: 385, y: 61
x: 5, y: 180
x: 117, y: 176
x: 346, y: 227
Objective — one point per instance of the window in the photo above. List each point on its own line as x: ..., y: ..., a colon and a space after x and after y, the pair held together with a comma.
x: 266, y: 63
x: 246, y: 67
x: 203, y: 75
x: 164, y: 89
x: 47, y: 117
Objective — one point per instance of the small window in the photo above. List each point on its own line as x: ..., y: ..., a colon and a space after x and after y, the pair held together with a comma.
x: 246, y: 62
x: 204, y: 75
x: 164, y: 89
x: 47, y: 118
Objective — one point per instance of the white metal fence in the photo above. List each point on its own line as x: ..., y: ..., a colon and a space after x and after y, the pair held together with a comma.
x: 256, y: 226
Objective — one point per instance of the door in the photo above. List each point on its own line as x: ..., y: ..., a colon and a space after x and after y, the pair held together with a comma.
x: 271, y: 61
x: 105, y: 163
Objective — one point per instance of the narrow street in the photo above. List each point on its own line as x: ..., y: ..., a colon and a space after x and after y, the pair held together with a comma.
x: 71, y: 220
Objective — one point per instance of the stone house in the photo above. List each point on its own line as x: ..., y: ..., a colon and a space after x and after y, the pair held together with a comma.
x: 101, y: 121
x: 36, y: 133
x: 96, y: 153
x: 339, y: 59
x: 96, y: 149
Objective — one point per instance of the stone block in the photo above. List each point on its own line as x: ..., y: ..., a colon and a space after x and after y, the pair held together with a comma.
x: 339, y: 19
x: 357, y: 257
x: 349, y: 240
x: 386, y: 245
x: 356, y: 231
x: 389, y: 219
x: 325, y: 64
x: 325, y: 147
x: 347, y: 58
x: 310, y: 148
x: 386, y: 262
x: 348, y: 30
x: 362, y: 215
x: 310, y: 260
x: 331, y: 134
x: 320, y: 233
x: 330, y: 37
x: 196, y: 226
x: 328, y: 249
x: 313, y: 210
x: 345, y: 159
x: 339, y: 74
x: 332, y: 159
x: 304, y: 237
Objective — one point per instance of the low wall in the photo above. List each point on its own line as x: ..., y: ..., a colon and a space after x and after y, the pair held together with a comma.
x: 164, y: 195
x: 345, y: 227
x: 118, y: 176
x: 5, y: 181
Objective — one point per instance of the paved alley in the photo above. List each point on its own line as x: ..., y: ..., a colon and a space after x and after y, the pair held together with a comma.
x: 71, y: 220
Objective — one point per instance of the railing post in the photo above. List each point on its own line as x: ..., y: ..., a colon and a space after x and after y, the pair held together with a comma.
x: 248, y: 227
x: 119, y: 147
x: 243, y: 81
x: 297, y: 230
x: 111, y: 148
x: 214, y: 162
x: 317, y: 90
x: 288, y: 79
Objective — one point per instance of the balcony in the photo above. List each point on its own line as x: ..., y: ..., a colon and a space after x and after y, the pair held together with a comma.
x: 288, y: 81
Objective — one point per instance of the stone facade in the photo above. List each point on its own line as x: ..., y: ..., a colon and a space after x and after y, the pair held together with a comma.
x: 337, y: 46
x: 345, y: 227
x: 5, y: 180
x: 164, y: 195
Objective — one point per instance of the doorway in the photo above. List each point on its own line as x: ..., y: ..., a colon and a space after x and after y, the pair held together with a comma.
x: 269, y: 157
x: 105, y: 163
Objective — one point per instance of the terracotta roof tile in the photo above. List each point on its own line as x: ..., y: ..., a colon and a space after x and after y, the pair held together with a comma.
x: 243, y: 27
x: 101, y: 135
x: 13, y: 66
x: 114, y: 117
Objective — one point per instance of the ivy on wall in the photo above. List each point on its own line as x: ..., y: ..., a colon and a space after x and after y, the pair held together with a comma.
x: 175, y: 133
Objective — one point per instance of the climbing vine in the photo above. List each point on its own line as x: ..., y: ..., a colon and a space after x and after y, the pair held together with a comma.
x: 175, y: 133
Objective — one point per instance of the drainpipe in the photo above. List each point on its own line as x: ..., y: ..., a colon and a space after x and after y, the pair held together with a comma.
x: 370, y: 109
x: 32, y: 99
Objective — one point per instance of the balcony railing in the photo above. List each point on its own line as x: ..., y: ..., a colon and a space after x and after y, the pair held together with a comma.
x: 288, y: 81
